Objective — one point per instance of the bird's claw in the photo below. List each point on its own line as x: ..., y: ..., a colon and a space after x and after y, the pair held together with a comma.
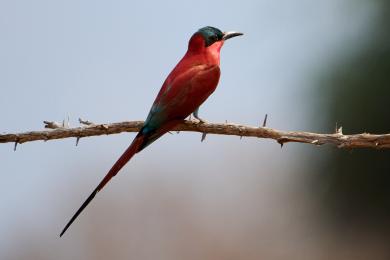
x: 201, y: 121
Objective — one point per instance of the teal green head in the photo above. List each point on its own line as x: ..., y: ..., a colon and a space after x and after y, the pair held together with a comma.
x: 212, y: 35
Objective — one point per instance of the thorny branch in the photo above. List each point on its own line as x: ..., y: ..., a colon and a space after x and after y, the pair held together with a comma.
x: 61, y: 131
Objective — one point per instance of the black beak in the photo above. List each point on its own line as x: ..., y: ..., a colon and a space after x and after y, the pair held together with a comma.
x: 228, y: 35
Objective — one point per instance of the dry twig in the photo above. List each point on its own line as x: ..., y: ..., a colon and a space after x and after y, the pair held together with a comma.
x: 89, y: 129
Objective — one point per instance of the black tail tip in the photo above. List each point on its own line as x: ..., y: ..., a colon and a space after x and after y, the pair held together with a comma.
x: 64, y: 230
x: 95, y: 191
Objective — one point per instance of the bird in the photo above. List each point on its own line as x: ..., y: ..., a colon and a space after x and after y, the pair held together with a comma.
x: 185, y: 89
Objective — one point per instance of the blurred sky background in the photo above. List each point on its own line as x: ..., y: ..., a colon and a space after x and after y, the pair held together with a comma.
x: 224, y: 198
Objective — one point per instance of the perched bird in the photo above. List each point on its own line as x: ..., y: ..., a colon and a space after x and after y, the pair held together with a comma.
x: 189, y: 84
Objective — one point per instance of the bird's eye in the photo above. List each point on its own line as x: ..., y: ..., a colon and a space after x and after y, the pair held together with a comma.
x: 211, y: 39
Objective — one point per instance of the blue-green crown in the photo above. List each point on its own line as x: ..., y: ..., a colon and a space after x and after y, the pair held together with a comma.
x: 210, y: 34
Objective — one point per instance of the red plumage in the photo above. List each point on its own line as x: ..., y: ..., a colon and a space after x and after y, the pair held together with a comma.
x: 189, y: 84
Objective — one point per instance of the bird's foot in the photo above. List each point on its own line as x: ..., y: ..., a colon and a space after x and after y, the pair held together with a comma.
x: 201, y: 121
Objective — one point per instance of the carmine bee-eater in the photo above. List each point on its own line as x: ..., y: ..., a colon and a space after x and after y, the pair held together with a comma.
x: 189, y: 84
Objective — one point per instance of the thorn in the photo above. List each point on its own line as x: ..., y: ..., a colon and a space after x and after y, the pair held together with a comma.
x: 377, y: 143
x: 104, y: 126
x: 265, y: 120
x: 342, y: 145
x: 16, y: 144
x: 85, y: 122
x: 335, y: 130
x: 203, y: 137
x: 67, y: 122
x: 170, y: 133
x: 240, y: 137
x: 226, y: 121
x: 177, y: 132
x: 52, y: 124
x: 340, y: 130
x: 77, y: 140
x: 315, y: 142
x: 281, y: 141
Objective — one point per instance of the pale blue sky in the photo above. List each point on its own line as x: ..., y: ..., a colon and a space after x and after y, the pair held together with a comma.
x: 105, y: 61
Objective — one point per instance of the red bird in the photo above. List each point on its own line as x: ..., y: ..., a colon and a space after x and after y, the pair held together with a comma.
x: 189, y: 84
